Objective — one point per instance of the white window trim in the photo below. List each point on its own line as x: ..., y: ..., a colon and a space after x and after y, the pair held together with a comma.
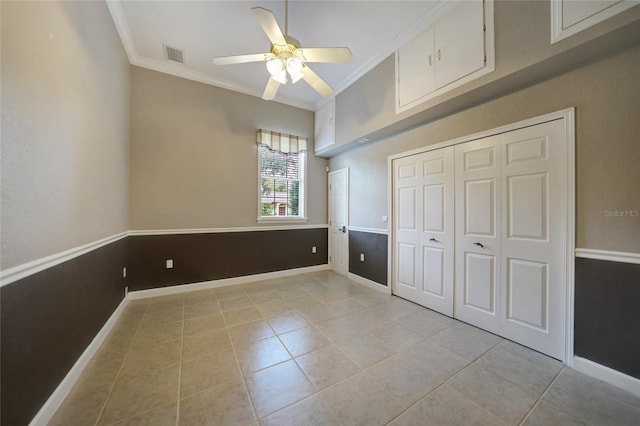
x: 303, y: 204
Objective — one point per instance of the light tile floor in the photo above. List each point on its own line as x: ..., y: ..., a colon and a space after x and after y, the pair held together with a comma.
x: 318, y: 349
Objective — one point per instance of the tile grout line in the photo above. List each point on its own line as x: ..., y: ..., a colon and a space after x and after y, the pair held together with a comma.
x: 180, y: 365
x: 445, y: 382
x: 539, y: 399
x: 115, y: 380
x: 235, y: 354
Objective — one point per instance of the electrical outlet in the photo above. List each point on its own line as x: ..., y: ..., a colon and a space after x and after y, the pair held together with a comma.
x: 313, y: 249
x: 169, y: 263
x: 126, y: 291
x: 124, y: 272
x: 385, y: 218
x: 361, y: 257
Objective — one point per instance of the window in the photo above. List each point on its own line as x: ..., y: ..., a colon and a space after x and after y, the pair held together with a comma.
x: 281, y: 165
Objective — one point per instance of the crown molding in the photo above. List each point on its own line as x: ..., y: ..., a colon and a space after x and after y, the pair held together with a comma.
x: 117, y: 14
x: 421, y: 24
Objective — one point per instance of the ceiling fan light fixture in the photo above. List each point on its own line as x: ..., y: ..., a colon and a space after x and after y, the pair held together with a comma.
x: 276, y: 68
x: 294, y: 68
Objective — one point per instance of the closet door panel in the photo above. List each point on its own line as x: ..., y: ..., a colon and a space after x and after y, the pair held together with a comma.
x: 477, y: 261
x: 533, y: 237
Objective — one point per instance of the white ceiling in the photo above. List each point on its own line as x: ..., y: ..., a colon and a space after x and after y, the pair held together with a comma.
x: 206, y: 29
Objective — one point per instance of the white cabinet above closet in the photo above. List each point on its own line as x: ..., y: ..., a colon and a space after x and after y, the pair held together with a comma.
x: 569, y: 17
x: 455, y: 49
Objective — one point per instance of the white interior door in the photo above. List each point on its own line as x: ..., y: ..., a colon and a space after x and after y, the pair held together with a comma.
x: 533, y: 240
x: 339, y: 221
x: 424, y: 229
x: 511, y: 235
x: 477, y: 268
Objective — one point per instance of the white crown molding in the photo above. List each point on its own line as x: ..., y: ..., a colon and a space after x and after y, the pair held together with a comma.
x: 167, y: 67
x: 205, y: 285
x: 120, y: 21
x: 606, y: 374
x: 411, y: 31
x: 49, y: 408
x: 16, y: 273
x: 220, y: 230
x: 612, y: 256
x: 178, y: 70
x: 369, y: 230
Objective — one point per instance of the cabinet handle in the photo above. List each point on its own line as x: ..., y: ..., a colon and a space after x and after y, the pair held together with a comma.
x: 479, y: 245
x: 439, y: 54
x: 430, y: 60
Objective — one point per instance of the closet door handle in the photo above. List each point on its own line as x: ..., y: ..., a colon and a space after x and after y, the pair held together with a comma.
x: 479, y: 245
x: 433, y: 240
x: 430, y: 60
x: 439, y: 58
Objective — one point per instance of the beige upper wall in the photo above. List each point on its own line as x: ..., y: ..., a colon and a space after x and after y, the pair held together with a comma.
x: 607, y: 101
x: 65, y: 122
x: 523, y: 55
x: 194, y: 157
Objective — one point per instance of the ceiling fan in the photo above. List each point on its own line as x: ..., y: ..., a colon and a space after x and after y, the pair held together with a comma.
x: 286, y: 56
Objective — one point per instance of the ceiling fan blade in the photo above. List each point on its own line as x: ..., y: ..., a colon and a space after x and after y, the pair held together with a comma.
x: 271, y: 90
x: 316, y: 82
x: 241, y: 59
x: 269, y: 24
x: 327, y: 54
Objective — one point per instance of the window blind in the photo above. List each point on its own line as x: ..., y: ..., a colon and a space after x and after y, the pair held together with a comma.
x: 281, y: 142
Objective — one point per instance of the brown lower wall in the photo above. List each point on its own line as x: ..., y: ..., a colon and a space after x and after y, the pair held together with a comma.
x: 213, y: 256
x: 607, y: 314
x: 49, y: 319
x: 374, y: 248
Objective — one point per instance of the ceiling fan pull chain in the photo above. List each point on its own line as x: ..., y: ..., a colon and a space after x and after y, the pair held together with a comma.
x: 286, y: 17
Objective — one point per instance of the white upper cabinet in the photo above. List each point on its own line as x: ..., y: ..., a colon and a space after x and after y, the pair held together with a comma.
x: 460, y: 42
x: 416, y: 69
x: 455, y: 49
x: 569, y: 17
x: 325, y: 128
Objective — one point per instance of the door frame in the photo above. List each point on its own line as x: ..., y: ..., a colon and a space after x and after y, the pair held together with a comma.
x: 568, y: 115
x: 344, y: 170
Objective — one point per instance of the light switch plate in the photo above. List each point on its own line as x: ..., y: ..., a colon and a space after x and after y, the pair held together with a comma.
x: 169, y: 263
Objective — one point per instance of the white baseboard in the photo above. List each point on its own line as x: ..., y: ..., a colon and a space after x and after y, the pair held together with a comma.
x: 368, y: 283
x: 182, y: 288
x: 52, y: 404
x: 606, y: 374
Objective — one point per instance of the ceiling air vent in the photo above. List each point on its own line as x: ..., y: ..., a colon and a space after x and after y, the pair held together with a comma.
x: 173, y: 54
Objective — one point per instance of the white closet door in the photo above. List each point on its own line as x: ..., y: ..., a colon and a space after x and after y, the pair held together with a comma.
x: 533, y: 237
x: 407, y: 199
x: 424, y: 201
x: 437, y: 236
x: 477, y: 286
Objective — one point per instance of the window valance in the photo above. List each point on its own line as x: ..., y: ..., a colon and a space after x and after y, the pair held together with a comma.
x: 282, y: 142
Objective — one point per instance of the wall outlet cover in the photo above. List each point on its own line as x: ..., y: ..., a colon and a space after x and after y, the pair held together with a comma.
x: 169, y: 263
x: 361, y: 257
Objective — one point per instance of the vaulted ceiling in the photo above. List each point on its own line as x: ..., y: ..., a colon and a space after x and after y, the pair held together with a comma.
x: 206, y: 29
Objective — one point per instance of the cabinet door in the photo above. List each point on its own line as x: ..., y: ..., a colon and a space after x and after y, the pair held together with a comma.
x: 416, y: 65
x: 324, y: 135
x: 459, y: 42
